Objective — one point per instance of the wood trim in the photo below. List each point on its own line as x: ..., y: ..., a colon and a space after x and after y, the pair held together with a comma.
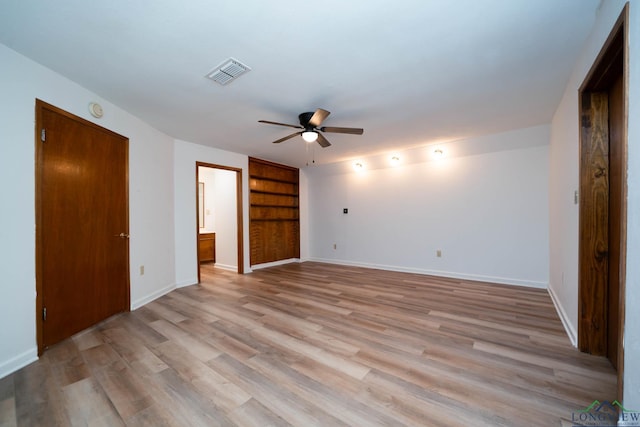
x: 594, y: 207
x: 599, y: 75
x: 239, y: 212
x: 197, y: 201
x: 268, y: 163
x: 39, y: 163
x: 240, y: 220
x: 622, y: 20
x: 612, y: 60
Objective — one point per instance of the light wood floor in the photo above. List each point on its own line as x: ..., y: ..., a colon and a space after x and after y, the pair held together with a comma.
x: 316, y: 344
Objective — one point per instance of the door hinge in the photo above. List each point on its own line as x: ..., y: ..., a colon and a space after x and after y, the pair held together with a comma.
x: 43, y: 135
x: 44, y: 313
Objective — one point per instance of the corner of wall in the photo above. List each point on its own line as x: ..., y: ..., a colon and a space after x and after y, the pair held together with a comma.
x: 564, y: 318
x: 19, y: 361
x: 153, y: 296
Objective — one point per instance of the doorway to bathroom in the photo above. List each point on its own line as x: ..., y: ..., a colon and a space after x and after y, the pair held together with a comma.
x: 219, y: 217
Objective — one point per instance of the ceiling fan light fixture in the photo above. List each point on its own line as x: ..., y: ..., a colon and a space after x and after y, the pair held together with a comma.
x: 310, y: 129
x: 310, y: 136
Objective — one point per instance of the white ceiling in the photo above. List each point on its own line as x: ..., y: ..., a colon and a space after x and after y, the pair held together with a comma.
x: 410, y: 72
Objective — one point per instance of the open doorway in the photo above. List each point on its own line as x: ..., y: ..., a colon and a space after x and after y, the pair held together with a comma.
x: 219, y: 223
x: 603, y: 210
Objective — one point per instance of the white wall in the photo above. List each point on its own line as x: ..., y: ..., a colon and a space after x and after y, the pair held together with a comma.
x: 150, y: 198
x: 186, y: 155
x: 486, y: 211
x: 564, y: 180
x: 208, y: 177
x: 226, y: 220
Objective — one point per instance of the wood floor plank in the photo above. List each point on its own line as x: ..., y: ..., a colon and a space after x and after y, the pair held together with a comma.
x: 126, y: 390
x: 198, y: 348
x: 351, y: 411
x: 253, y: 414
x: 138, y: 356
x: 203, y: 379
x: 67, y: 364
x: 280, y: 400
x: 186, y: 405
x: 7, y: 402
x: 308, y: 344
x: 87, y: 403
x: 38, y: 399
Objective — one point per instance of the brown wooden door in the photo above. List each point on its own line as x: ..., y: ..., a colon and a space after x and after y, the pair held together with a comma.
x: 616, y: 194
x: 82, y: 247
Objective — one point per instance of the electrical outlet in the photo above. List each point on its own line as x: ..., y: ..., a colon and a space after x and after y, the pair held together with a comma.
x: 439, y: 253
x: 142, y: 270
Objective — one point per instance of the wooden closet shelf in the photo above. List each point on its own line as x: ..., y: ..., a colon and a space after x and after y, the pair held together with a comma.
x: 279, y: 193
x: 274, y: 219
x: 265, y: 205
x: 264, y: 178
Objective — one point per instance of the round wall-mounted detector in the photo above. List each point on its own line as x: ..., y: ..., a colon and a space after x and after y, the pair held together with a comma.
x: 96, y: 110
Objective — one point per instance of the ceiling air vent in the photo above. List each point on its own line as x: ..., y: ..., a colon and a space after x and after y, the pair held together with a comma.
x: 228, y: 71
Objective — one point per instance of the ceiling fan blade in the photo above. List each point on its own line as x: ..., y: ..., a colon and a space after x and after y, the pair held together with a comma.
x: 318, y: 117
x: 280, y: 124
x: 323, y: 141
x: 286, y: 137
x: 352, y: 131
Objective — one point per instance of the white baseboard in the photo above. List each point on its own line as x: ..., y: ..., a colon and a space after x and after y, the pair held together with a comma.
x: 275, y: 263
x: 439, y: 273
x: 189, y: 282
x: 147, y: 299
x: 18, y: 362
x: 226, y: 267
x: 568, y: 326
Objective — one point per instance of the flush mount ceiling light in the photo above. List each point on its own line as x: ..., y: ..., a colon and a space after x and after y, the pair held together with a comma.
x: 358, y: 166
x: 438, y: 153
x: 310, y: 136
x: 395, y: 160
x: 96, y: 110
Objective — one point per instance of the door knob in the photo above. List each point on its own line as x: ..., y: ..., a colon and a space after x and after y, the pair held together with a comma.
x: 123, y: 235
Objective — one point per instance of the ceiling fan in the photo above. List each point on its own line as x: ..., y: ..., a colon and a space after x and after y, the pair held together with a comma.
x: 310, y: 123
